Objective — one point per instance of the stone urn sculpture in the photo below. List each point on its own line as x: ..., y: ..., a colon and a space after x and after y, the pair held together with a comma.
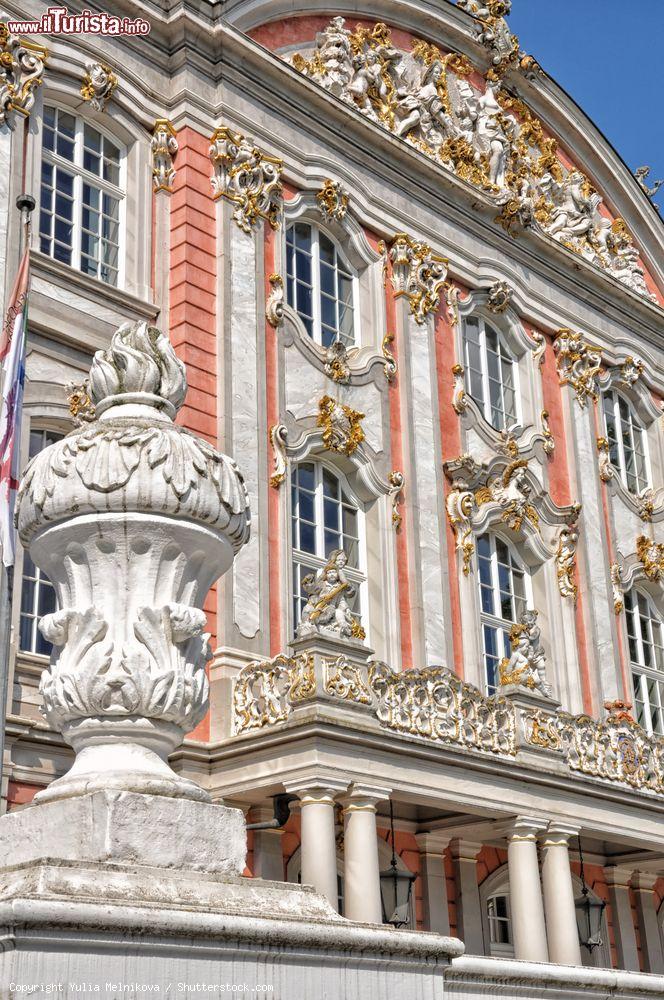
x: 132, y: 518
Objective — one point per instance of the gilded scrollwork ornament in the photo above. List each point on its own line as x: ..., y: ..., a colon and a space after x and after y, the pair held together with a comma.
x: 342, y: 428
x: 274, y: 304
x: 604, y: 459
x: 332, y: 200
x: 539, y: 349
x: 541, y: 731
x: 278, y: 435
x: 512, y: 491
x: 21, y: 72
x: 344, y: 680
x: 336, y: 362
x: 499, y: 297
x: 418, y: 274
x: 164, y: 146
x: 578, y: 364
x: 397, y: 481
x: 617, y: 588
x: 631, y: 371
x: 247, y: 177
x: 460, y: 506
x: 459, y: 397
x: 651, y: 556
x: 549, y: 440
x: 81, y: 407
x: 645, y: 504
x: 98, y: 85
x: 391, y: 366
x: 568, y: 539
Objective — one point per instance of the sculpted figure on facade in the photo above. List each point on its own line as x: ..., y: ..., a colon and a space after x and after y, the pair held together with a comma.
x: 21, y: 72
x: 484, y: 134
x: 641, y: 173
x: 329, y: 591
x: 513, y: 492
x: 526, y: 667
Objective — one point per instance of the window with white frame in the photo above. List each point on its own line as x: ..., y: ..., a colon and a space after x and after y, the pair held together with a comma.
x: 627, y: 442
x: 491, y: 373
x: 505, y: 593
x: 320, y: 285
x: 499, y: 924
x: 37, y: 594
x: 324, y: 517
x: 81, y: 196
x: 645, y: 637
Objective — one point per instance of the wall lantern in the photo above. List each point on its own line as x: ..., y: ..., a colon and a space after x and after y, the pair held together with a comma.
x: 589, y: 913
x: 396, y: 889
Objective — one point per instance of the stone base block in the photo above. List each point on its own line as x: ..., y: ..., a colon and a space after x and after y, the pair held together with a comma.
x: 129, y: 828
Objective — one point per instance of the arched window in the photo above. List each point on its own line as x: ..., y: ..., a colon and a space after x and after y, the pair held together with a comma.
x: 491, y: 373
x: 627, y: 442
x: 37, y: 594
x: 324, y: 517
x: 505, y: 593
x: 81, y: 195
x: 320, y: 285
x: 645, y: 637
x: 499, y: 924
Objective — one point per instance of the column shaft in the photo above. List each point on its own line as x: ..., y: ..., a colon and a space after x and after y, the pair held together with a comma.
x: 362, y: 899
x: 561, y: 928
x: 318, y: 846
x: 526, y: 905
x: 623, y: 924
x: 469, y: 914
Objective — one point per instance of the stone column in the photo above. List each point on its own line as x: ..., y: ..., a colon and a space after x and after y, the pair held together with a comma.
x: 469, y: 912
x: 318, y: 846
x: 561, y: 929
x: 268, y: 856
x: 643, y: 884
x: 526, y: 904
x: 618, y: 880
x: 362, y: 900
x: 432, y: 873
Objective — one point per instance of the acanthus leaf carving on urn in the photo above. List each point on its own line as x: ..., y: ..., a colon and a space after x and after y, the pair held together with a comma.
x: 247, y: 177
x: 21, y: 72
x: 483, y: 133
x: 132, y: 518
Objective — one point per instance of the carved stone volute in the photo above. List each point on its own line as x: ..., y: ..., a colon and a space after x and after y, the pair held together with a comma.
x: 132, y: 518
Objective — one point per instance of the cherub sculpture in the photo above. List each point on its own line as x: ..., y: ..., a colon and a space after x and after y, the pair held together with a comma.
x: 526, y: 667
x: 329, y: 591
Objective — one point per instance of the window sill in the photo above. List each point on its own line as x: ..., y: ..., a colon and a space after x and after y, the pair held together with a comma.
x: 118, y: 299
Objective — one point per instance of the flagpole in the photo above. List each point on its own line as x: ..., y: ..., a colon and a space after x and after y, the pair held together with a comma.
x: 25, y: 203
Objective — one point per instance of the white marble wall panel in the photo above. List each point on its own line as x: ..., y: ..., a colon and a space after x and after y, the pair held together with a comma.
x: 5, y: 150
x: 245, y: 388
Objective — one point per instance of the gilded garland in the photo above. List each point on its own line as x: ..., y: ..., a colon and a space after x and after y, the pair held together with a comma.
x: 487, y: 137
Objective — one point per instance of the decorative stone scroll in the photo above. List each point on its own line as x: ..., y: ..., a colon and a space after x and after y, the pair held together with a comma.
x: 617, y: 588
x: 604, y: 460
x: 396, y: 480
x: 247, y: 177
x: 133, y: 498
x: 336, y: 362
x: 332, y: 200
x: 418, y: 274
x: 342, y: 430
x: 460, y: 505
x: 164, y: 146
x: 499, y: 297
x: 459, y: 396
x: 549, y: 441
x: 578, y: 364
x: 21, y: 72
x: 631, y: 371
x: 485, y: 135
x: 278, y: 434
x: 390, y: 362
x: 513, y: 492
x: 98, y: 85
x: 265, y: 692
x: 274, y: 305
x: 568, y: 540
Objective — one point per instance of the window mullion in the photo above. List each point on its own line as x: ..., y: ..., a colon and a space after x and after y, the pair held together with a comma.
x: 315, y: 285
x: 485, y: 372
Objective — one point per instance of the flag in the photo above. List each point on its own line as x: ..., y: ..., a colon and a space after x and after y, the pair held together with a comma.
x: 12, y: 356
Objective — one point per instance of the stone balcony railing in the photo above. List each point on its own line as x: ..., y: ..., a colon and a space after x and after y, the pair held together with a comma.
x: 433, y: 704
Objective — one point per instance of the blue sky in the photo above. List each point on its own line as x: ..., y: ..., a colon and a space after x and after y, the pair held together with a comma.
x: 607, y: 54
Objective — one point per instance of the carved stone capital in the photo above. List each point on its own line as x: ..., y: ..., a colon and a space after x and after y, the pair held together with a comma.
x: 164, y: 146
x: 418, y: 274
x: 578, y: 364
x: 21, y: 72
x: 247, y: 177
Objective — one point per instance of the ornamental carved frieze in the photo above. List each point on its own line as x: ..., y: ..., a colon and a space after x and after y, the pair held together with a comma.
x: 265, y: 691
x: 526, y: 666
x: 246, y: 177
x: 98, y: 85
x: 651, y: 556
x: 418, y: 274
x: 344, y: 680
x: 342, y: 427
x: 21, y: 72
x: 164, y: 146
x: 482, y: 133
x: 578, y: 364
x: 332, y: 200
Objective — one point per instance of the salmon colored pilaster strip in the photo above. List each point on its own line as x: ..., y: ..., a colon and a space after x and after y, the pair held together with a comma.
x: 192, y: 298
x: 560, y: 492
x: 277, y: 640
x: 397, y: 452
x: 450, y: 436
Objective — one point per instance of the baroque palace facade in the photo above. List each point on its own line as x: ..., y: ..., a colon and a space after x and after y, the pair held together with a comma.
x: 420, y: 300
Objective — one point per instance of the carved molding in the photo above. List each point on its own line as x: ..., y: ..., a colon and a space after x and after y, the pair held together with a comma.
x: 549, y: 441
x: 164, y: 147
x: 418, y: 274
x: 482, y: 133
x: 246, y: 177
x: 21, y: 72
x: 98, y: 85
